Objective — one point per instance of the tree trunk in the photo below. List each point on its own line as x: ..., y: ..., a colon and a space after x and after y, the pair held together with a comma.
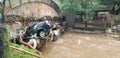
x: 2, y: 11
x: 1, y: 47
x: 4, y: 49
x: 3, y: 34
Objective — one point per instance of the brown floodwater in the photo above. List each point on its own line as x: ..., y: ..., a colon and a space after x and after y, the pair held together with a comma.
x: 75, y: 45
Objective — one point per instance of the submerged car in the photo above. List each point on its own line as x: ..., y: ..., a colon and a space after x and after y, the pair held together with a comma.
x: 41, y: 29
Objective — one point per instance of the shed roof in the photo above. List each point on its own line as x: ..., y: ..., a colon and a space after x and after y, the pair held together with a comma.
x: 103, y: 9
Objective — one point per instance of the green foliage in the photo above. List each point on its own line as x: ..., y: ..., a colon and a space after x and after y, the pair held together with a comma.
x: 116, y: 4
x: 78, y: 6
x: 17, y: 54
x: 9, y: 52
x: 110, y: 2
x: 4, y: 35
x: 69, y: 5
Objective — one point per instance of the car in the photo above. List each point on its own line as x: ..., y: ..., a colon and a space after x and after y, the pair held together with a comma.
x: 40, y: 29
x: 38, y: 34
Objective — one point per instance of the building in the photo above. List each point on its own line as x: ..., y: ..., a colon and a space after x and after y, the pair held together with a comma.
x: 28, y: 12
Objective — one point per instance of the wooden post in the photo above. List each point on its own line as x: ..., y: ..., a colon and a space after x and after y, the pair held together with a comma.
x: 112, y: 21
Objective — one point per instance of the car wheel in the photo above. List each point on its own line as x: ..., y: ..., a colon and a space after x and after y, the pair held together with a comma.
x: 42, y: 33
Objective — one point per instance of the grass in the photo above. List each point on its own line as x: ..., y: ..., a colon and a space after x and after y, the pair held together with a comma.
x: 17, y: 54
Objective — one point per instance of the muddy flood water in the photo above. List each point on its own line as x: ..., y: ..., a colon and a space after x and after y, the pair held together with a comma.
x: 74, y: 45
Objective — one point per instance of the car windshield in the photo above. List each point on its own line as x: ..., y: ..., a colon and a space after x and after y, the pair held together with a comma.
x: 38, y: 24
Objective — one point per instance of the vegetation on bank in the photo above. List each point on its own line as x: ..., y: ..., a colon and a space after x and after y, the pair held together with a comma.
x: 4, y: 48
x: 17, y: 54
x: 11, y: 50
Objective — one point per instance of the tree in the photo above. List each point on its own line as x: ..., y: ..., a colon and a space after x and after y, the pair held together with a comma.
x: 71, y: 6
x: 4, y: 48
x: 116, y: 4
x: 3, y: 33
x: 79, y: 6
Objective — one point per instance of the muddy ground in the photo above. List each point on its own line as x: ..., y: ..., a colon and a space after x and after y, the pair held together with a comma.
x: 76, y: 45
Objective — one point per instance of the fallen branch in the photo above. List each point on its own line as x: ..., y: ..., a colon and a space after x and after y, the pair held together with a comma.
x: 18, y: 49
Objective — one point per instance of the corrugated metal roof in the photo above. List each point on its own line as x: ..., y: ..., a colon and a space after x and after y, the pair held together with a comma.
x: 9, y: 4
x: 13, y: 4
x: 107, y: 8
